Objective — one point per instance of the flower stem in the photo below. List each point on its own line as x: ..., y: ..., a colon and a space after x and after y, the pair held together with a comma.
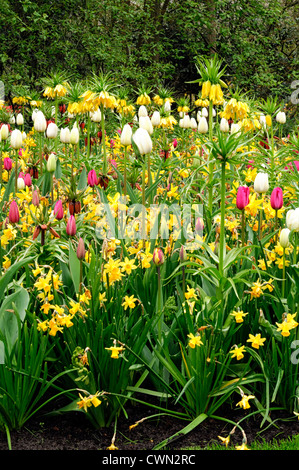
x: 16, y: 171
x: 210, y: 163
x: 243, y: 227
x: 283, y: 273
x: 222, y: 221
x: 125, y: 171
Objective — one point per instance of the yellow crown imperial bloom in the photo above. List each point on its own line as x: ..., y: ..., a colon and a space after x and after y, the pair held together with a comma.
x: 205, y: 91
x: 268, y: 120
x: 143, y: 99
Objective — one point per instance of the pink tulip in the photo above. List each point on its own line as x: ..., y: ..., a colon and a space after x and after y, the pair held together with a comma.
x: 13, y: 215
x: 71, y: 226
x: 92, y: 178
x: 58, y: 210
x: 27, y: 180
x: 35, y: 198
x: 242, y: 197
x: 276, y: 199
x: 7, y: 163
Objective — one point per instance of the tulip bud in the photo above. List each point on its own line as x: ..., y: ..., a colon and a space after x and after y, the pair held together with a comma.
x: 203, y: 125
x: 52, y: 130
x: 13, y: 215
x: 235, y: 128
x: 261, y: 183
x: 92, y: 178
x: 40, y: 123
x: 35, y: 198
x: 126, y: 135
x: 65, y: 135
x: 96, y: 116
x: 71, y: 228
x: 199, y: 225
x: 204, y: 112
x: 7, y: 162
x: 142, y: 111
x: 242, y: 199
x: 281, y: 117
x: 292, y: 219
x: 51, y: 163
x: 20, y: 119
x: 16, y: 139
x: 143, y: 141
x: 224, y: 125
x: 146, y: 123
x: 167, y: 106
x: 58, y: 210
x: 284, y: 237
x: 185, y: 122
x: 4, y: 131
x: 20, y: 183
x: 183, y: 254
x: 276, y: 199
x: 158, y: 257
x: 156, y: 118
x: 74, y: 136
x: 80, y: 249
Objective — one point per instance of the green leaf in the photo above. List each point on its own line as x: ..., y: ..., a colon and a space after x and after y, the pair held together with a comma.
x: 198, y: 420
x: 74, y: 265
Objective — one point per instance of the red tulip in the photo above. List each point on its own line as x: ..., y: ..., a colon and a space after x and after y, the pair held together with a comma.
x: 58, y: 210
x: 81, y: 249
x: 27, y: 180
x: 242, y: 197
x: 71, y: 226
x: 276, y: 199
x: 13, y: 215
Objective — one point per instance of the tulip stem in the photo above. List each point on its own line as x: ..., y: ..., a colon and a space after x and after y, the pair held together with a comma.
x: 88, y: 136
x: 125, y: 171
x: 276, y: 223
x: 222, y: 221
x: 40, y: 154
x: 283, y: 273
x: 16, y: 171
x: 260, y: 224
x: 243, y: 227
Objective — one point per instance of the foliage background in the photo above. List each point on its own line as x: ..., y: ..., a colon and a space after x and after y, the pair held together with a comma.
x: 151, y: 42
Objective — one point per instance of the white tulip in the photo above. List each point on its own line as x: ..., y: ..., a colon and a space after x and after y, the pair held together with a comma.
x: 146, y: 123
x: 96, y: 116
x: 156, y: 119
x: 281, y: 117
x: 203, y: 126
x: 224, y: 125
x: 20, y: 183
x: 292, y: 219
x: 40, y: 123
x: 142, y: 111
x: 4, y: 131
x: 284, y: 237
x: 193, y: 123
x: 185, y: 121
x: 204, y: 112
x: 126, y: 135
x: 261, y: 183
x: 65, y: 134
x: 74, y: 136
x: 20, y: 119
x: 167, y: 106
x: 16, y: 139
x: 143, y: 141
x: 235, y: 128
x: 52, y: 130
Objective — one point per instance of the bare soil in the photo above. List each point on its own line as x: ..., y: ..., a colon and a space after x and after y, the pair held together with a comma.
x: 73, y: 431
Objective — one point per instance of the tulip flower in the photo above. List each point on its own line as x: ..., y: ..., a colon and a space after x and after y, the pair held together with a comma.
x: 142, y: 111
x: 65, y: 135
x: 126, y: 135
x: 158, y: 257
x: 242, y: 199
x: 27, y: 180
x: 146, y: 123
x: 156, y: 118
x: 261, y: 183
x: 80, y: 249
x: 167, y: 106
x: 20, y: 119
x: 35, y: 198
x: 74, y: 136
x: 4, y: 131
x: 281, y: 117
x: 58, y: 210
x: 92, y: 178
x: 40, y: 123
x: 224, y: 125
x: 51, y: 163
x: 284, y: 237
x: 203, y: 126
x: 16, y: 139
x: 292, y: 219
x: 71, y: 228
x: 143, y: 141
x: 52, y: 130
x: 20, y: 183
x: 13, y: 215
x: 7, y: 162
x: 276, y: 199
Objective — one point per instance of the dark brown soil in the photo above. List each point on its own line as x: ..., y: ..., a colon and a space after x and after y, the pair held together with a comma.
x: 73, y: 431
